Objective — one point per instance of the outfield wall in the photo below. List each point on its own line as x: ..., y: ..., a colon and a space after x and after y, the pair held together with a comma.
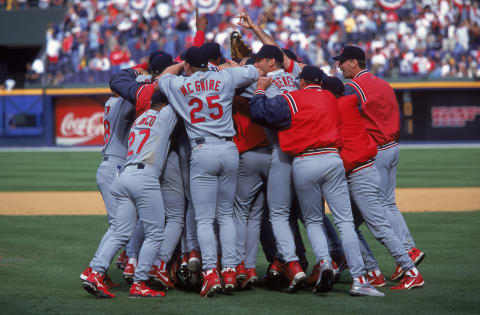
x: 430, y: 111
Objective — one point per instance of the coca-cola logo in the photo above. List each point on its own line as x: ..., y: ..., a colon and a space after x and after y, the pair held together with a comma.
x: 91, y: 127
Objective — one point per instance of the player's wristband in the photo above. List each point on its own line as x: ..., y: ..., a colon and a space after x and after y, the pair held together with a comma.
x: 259, y: 92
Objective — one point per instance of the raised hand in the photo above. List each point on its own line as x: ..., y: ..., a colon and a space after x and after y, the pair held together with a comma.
x: 201, y: 22
x: 245, y: 21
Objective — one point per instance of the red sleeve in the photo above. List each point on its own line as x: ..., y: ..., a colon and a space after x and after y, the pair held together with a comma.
x: 199, y: 39
x: 290, y: 67
x: 143, y: 66
x: 144, y: 96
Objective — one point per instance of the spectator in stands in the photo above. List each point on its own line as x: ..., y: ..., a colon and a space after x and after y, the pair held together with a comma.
x: 411, y: 41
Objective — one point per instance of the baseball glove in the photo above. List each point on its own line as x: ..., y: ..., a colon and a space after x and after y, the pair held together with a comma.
x: 238, y: 47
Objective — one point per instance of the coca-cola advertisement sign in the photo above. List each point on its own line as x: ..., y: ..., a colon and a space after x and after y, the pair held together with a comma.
x: 79, y: 122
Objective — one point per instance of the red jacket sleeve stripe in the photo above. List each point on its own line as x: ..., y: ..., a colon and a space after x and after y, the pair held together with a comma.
x: 359, y: 90
x: 291, y: 102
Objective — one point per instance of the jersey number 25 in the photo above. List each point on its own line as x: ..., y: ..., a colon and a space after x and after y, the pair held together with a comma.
x: 199, y: 106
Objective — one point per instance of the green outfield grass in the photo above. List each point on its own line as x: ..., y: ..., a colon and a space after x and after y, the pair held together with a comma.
x: 42, y: 257
x: 71, y: 171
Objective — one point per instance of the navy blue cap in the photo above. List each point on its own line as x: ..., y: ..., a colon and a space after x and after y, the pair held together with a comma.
x: 334, y: 85
x: 196, y: 57
x: 350, y: 52
x: 312, y: 74
x: 158, y: 97
x: 290, y: 54
x: 212, y: 50
x: 160, y: 63
x: 155, y: 54
x: 269, y: 51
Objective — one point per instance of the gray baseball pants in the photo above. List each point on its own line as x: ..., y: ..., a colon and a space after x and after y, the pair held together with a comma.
x: 363, y: 186
x: 213, y: 181
x: 323, y: 176
x: 106, y: 173
x: 386, y: 162
x: 248, y: 206
x: 279, y: 198
x: 138, y: 196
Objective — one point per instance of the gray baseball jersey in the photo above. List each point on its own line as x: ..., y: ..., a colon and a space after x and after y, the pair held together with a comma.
x: 146, y: 141
x: 204, y: 99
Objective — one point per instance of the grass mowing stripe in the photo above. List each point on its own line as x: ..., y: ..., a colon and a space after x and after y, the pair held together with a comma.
x: 43, y: 256
x: 70, y: 171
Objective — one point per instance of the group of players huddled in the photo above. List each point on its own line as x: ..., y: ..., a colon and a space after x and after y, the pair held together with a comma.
x: 206, y: 158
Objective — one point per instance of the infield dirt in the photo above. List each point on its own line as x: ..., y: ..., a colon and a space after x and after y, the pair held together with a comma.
x: 91, y: 203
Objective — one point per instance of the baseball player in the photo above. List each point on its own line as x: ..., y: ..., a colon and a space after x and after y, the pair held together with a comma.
x: 137, y: 190
x: 309, y: 122
x: 119, y: 115
x: 134, y: 244
x: 249, y: 205
x: 358, y: 154
x: 204, y: 101
x: 379, y: 109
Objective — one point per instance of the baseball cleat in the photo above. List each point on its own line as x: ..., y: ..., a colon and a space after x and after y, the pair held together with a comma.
x: 120, y: 262
x: 296, y: 276
x: 416, y: 255
x: 130, y: 270
x: 163, y: 277
x: 140, y: 290
x: 84, y: 275
x: 96, y: 286
x: 251, y: 278
x: 194, y: 261
x: 275, y: 271
x: 340, y: 262
x: 409, y: 281
x: 229, y: 279
x: 376, y: 278
x: 312, y: 279
x: 397, y: 274
x: 211, y: 283
x: 325, y: 279
x: 241, y: 272
x: 361, y: 287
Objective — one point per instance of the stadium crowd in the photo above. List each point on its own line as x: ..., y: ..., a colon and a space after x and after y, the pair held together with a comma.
x: 429, y: 39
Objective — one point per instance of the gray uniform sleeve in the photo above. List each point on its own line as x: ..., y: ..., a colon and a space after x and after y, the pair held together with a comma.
x: 243, y: 76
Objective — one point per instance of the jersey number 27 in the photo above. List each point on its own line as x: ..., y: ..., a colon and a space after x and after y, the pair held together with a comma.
x: 145, y: 133
x: 198, y: 106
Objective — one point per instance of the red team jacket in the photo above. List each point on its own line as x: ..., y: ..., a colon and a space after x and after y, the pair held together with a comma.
x: 315, y: 125
x: 379, y: 107
x: 249, y: 135
x: 359, y: 149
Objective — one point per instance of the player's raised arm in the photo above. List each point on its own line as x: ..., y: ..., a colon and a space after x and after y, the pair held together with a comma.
x: 201, y: 23
x: 124, y: 84
x: 243, y: 76
x: 175, y: 69
x: 247, y: 23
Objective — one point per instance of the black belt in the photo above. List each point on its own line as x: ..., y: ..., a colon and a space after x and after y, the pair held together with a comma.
x: 140, y: 166
x: 105, y: 158
x: 202, y: 140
